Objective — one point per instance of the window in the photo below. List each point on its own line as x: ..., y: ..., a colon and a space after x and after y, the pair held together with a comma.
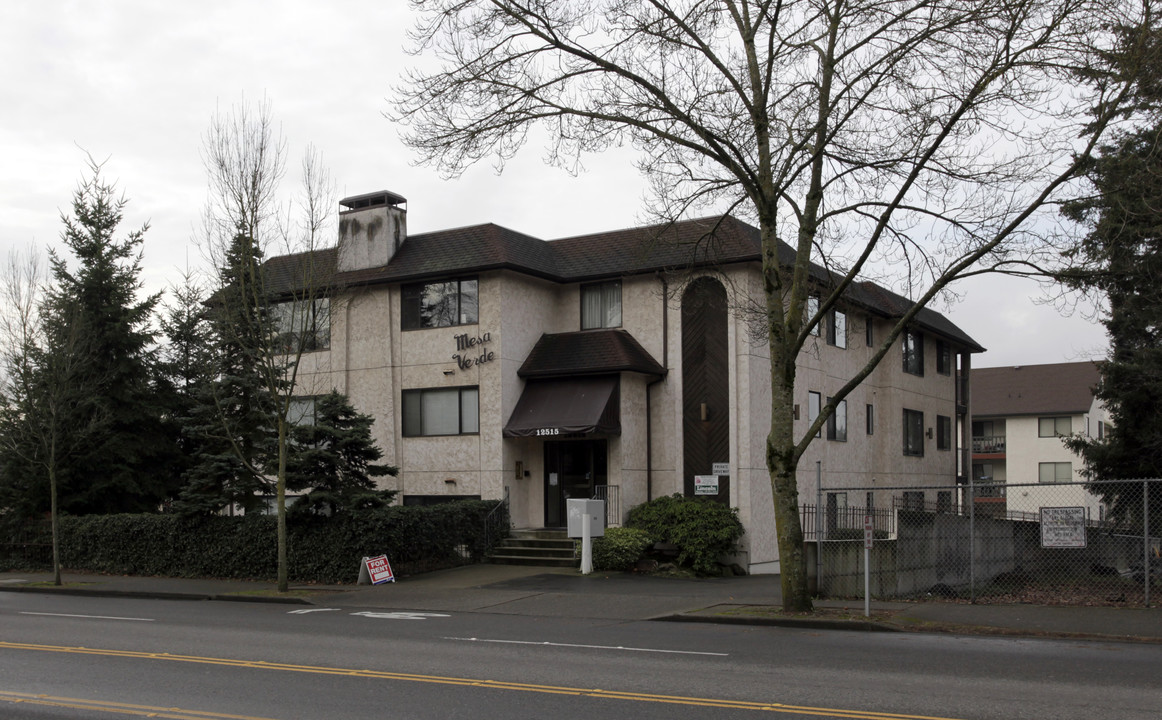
x: 301, y: 411
x: 943, y: 432
x: 943, y: 358
x: 303, y: 326
x: 440, y: 304
x: 913, y: 499
x: 601, y: 305
x: 913, y: 343
x: 812, y: 309
x: 837, y: 329
x: 913, y: 433
x: 1054, y: 426
x: 871, y: 419
x: 837, y: 422
x: 441, y: 411
x: 1055, y: 472
x: 869, y: 332
x: 944, y: 501
x: 814, y: 403
x: 1101, y: 430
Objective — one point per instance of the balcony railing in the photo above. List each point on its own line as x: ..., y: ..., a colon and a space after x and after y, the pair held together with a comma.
x: 988, y: 444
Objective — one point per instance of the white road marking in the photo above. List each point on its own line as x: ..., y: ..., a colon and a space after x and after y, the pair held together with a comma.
x: 310, y: 610
x: 400, y: 615
x: 591, y: 647
x: 89, y: 617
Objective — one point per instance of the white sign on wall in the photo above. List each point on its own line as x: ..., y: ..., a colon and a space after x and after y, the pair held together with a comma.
x: 705, y: 484
x: 720, y: 469
x: 1062, y: 527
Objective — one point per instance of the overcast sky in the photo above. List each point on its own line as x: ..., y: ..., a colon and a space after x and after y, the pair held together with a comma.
x: 135, y: 84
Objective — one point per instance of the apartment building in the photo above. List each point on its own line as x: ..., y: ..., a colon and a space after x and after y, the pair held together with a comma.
x: 624, y: 364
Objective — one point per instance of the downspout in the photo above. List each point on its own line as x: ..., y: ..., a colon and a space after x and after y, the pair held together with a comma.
x: 650, y: 385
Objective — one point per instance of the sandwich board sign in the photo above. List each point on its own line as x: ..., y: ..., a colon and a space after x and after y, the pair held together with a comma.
x: 376, y: 571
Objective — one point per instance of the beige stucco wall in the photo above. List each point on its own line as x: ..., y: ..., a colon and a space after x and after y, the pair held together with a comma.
x: 373, y: 360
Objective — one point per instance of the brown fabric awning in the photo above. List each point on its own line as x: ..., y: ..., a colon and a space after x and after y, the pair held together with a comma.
x: 566, y: 406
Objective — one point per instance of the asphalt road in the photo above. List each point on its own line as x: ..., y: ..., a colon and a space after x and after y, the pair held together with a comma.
x: 72, y: 657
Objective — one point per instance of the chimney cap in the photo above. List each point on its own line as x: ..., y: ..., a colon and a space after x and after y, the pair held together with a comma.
x: 372, y: 199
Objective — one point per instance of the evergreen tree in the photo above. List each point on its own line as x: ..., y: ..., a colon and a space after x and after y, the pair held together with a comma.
x: 1122, y: 257
x: 230, y: 428
x: 336, y: 457
x: 122, y: 463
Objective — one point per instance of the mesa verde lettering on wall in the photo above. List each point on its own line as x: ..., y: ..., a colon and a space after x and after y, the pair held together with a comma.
x: 468, y: 342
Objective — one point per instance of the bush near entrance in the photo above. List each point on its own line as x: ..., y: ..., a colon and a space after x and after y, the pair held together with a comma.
x: 320, y: 549
x: 620, y: 548
x: 701, y: 529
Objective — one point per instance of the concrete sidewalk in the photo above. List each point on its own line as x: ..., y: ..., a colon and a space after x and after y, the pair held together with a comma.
x: 537, y: 591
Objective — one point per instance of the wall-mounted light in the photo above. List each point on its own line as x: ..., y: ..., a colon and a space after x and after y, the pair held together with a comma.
x: 929, y: 433
x: 450, y: 481
x: 449, y: 372
x: 520, y: 469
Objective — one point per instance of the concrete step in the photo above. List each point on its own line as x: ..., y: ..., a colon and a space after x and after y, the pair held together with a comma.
x: 533, y: 561
x: 546, y: 548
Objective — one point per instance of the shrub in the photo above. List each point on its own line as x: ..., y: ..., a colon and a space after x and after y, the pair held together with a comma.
x: 620, y: 549
x: 701, y: 529
x: 320, y: 549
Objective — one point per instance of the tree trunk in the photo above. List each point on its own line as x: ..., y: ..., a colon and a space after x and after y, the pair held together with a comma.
x: 781, y: 463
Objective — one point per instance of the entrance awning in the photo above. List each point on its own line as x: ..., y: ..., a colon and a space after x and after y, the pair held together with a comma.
x: 566, y: 406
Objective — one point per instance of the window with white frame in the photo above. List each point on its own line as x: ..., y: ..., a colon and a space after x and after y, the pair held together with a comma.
x: 913, y: 433
x: 302, y: 325
x: 601, y: 305
x: 1054, y: 472
x: 443, y: 303
x: 1054, y: 426
x: 837, y: 422
x: 441, y: 411
x: 837, y: 329
x: 913, y: 344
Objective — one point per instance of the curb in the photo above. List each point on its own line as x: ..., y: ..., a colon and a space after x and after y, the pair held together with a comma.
x: 148, y: 595
x: 807, y: 624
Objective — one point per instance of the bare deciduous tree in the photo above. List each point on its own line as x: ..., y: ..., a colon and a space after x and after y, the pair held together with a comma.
x: 275, y: 308
x: 927, y: 140
x: 40, y: 375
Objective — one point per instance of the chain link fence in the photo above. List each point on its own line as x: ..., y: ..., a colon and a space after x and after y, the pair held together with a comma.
x: 1046, y: 543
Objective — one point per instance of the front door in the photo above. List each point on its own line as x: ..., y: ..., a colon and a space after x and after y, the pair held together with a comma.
x: 572, y: 469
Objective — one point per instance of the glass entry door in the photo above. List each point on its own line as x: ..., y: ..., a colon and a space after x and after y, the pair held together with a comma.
x: 572, y: 469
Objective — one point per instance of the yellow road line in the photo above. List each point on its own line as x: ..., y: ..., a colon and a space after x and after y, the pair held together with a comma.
x: 118, y: 708
x: 459, y: 681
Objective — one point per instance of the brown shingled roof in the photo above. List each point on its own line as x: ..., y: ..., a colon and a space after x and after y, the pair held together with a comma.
x: 1061, y: 388
x: 588, y: 352
x: 676, y: 246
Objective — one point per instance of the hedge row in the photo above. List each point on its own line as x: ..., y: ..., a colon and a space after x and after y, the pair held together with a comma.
x: 319, y: 549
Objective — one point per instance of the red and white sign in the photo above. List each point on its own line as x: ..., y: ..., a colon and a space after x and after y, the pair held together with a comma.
x: 379, y: 569
x: 869, y: 531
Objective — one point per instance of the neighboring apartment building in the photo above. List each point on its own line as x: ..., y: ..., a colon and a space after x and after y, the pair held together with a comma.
x: 621, y: 364
x: 1019, y: 415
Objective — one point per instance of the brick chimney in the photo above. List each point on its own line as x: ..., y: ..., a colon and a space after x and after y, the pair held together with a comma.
x: 371, y: 229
